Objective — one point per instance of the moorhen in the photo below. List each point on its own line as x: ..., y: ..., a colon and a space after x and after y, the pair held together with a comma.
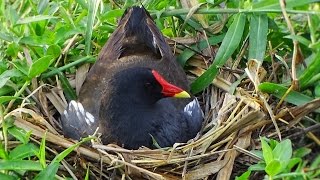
x: 127, y: 93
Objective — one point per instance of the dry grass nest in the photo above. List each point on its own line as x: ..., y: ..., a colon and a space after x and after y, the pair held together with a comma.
x: 236, y: 115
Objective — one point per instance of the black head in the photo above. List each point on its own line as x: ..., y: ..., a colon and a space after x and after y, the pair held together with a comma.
x: 144, y: 86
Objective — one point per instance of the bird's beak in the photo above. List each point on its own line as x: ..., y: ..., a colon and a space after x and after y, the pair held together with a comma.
x: 182, y: 94
x: 170, y: 90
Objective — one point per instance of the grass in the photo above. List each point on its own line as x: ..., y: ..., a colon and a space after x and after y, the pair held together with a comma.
x: 253, y: 66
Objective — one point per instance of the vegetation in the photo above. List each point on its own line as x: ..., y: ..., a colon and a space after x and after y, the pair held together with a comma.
x: 253, y: 64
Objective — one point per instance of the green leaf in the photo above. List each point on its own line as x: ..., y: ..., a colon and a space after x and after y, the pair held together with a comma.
x: 257, y: 153
x: 54, y: 51
x: 20, y: 165
x: 5, y: 76
x: 67, y: 89
x: 300, y: 39
x: 4, y: 99
x: 293, y: 162
x: 188, y: 53
x: 37, y: 18
x: 52, y: 168
x: 273, y: 168
x: 42, y: 151
x: 42, y: 6
x: 293, y: 97
x: 301, y: 152
x: 7, y: 177
x: 283, y: 152
x: 244, y: 176
x: 92, y: 11
x: 19, y: 133
x: 49, y: 172
x: 228, y: 46
x: 40, y: 66
x: 311, y: 71
x: 266, y: 150
x: 23, y: 151
x: 258, y: 36
x: 257, y: 167
x: 3, y: 152
x: 274, y: 4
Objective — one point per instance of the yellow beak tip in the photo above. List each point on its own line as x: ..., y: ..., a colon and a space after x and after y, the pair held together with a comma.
x: 182, y: 94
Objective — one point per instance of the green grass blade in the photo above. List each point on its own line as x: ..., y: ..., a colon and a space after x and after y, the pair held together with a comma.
x: 277, y: 90
x: 274, y: 4
x: 92, y: 11
x: 37, y: 18
x: 49, y: 172
x: 258, y: 36
x: 87, y: 59
x: 188, y: 53
x: 227, y: 48
x: 20, y: 165
x: 42, y: 151
x: 67, y: 89
x: 312, y: 70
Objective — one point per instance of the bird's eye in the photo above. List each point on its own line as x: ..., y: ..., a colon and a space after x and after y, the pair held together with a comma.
x: 149, y: 86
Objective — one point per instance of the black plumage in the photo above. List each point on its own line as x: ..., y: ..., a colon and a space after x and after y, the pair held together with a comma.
x: 129, y: 92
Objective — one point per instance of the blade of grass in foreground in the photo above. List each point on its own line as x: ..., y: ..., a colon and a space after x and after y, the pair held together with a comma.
x: 277, y: 90
x: 228, y: 46
x: 92, y: 11
x: 258, y: 36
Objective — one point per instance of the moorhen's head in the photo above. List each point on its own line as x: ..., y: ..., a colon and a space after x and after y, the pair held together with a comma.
x: 144, y: 86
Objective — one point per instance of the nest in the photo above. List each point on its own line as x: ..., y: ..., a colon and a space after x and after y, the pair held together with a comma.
x: 232, y: 126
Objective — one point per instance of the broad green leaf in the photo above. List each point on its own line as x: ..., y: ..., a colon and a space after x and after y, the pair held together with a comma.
x: 37, y: 18
x: 257, y: 153
x: 7, y: 177
x: 188, y: 53
x: 112, y: 15
x: 54, y: 51
x: 283, y: 152
x: 20, y: 165
x: 40, y: 66
x: 292, y: 163
x: 293, y: 97
x: 23, y: 151
x: 229, y: 44
x: 19, y: 133
x: 273, y: 168
x: 301, y: 152
x: 258, y: 36
x: 257, y: 167
x: 266, y: 151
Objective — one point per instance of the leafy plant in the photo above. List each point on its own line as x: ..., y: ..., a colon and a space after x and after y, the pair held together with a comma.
x: 280, y: 162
